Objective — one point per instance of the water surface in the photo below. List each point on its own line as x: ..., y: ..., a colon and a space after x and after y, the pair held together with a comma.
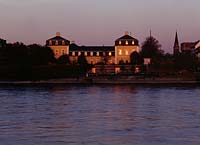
x: 99, y: 115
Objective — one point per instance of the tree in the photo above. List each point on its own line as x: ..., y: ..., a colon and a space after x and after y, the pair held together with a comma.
x: 17, y: 54
x: 151, y: 48
x: 64, y: 59
x: 40, y: 55
x: 186, y: 61
x: 84, y: 66
x: 136, y: 58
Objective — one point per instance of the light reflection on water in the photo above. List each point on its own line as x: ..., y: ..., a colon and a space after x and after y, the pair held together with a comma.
x: 99, y: 115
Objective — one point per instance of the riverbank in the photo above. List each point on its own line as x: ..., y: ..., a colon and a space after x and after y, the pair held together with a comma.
x: 108, y: 80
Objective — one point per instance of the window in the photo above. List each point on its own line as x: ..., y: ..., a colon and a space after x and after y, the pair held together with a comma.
x: 94, y: 70
x: 73, y: 53
x: 126, y: 42
x: 133, y: 42
x: 120, y: 52
x: 63, y: 51
x: 120, y: 42
x: 85, y: 53
x: 79, y: 53
x: 100, y: 53
x: 110, y: 53
x: 127, y: 52
x: 63, y: 42
x: 56, y: 51
x: 97, y: 53
x: 56, y: 42
x: 50, y: 42
x: 91, y: 53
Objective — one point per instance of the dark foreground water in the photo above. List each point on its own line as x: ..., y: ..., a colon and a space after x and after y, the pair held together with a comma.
x: 99, y: 115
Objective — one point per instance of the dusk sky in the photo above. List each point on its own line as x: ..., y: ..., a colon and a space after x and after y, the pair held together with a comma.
x: 99, y: 22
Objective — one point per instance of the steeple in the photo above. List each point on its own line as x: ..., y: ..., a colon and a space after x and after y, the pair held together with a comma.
x: 176, y: 44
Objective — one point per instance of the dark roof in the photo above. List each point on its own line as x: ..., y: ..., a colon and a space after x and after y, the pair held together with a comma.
x: 195, y: 43
x: 2, y: 39
x: 57, y: 38
x: 74, y: 47
x: 126, y: 37
x: 176, y: 42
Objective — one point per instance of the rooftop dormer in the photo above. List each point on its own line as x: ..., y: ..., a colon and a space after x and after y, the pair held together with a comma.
x: 126, y: 40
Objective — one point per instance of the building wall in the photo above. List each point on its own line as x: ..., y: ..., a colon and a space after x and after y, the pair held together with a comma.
x: 60, y: 50
x: 123, y: 53
x: 94, y: 59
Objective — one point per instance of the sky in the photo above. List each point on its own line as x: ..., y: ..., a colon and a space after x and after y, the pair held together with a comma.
x: 99, y: 22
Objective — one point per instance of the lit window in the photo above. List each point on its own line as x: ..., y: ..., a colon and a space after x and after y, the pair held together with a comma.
x: 110, y: 53
x: 94, y: 70
x: 133, y: 42
x: 97, y: 53
x: 63, y: 42
x: 91, y: 53
x: 120, y: 52
x: 85, y: 53
x: 127, y: 52
x: 117, y: 70
x: 73, y: 53
x: 56, y: 52
x: 126, y: 42
x: 79, y: 53
x: 50, y: 42
x: 63, y: 51
x: 120, y: 42
x: 56, y: 42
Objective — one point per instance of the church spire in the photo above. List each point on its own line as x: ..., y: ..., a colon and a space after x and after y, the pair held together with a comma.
x: 176, y: 44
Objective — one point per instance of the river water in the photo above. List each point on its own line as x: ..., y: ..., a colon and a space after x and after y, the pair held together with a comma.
x: 99, y: 115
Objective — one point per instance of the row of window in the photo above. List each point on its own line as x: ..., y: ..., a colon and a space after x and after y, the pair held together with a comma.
x: 120, y: 52
x: 57, y: 42
x: 63, y: 52
x: 127, y: 42
x: 91, y: 53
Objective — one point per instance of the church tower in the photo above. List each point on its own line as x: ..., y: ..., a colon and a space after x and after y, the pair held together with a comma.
x: 176, y: 45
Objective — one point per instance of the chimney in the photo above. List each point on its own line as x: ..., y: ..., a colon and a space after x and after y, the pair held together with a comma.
x: 58, y: 34
x: 126, y: 33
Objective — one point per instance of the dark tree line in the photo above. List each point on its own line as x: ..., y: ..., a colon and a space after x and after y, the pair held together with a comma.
x: 35, y: 62
x: 31, y: 55
x: 151, y: 48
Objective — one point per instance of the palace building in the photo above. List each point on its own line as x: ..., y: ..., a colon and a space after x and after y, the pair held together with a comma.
x: 120, y: 53
x: 59, y: 45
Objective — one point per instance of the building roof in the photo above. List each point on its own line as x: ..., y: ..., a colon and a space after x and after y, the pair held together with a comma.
x: 58, y: 37
x: 176, y: 42
x: 126, y: 37
x: 74, y: 47
x: 2, y: 40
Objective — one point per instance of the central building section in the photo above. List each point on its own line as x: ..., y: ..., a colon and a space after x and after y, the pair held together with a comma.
x: 124, y: 47
x: 118, y: 54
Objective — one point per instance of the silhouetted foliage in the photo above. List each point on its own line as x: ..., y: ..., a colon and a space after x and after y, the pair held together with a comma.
x: 40, y: 55
x: 82, y: 60
x: 84, y: 66
x: 186, y: 61
x: 64, y: 59
x: 151, y: 48
x: 136, y: 58
x: 17, y: 54
x: 121, y: 62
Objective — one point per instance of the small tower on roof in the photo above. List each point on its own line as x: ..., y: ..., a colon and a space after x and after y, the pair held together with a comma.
x: 176, y: 45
